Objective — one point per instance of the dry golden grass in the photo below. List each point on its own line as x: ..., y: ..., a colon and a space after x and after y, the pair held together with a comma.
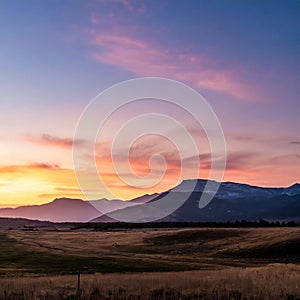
x: 200, y: 248
x: 270, y: 282
x: 105, y: 242
x: 239, y: 263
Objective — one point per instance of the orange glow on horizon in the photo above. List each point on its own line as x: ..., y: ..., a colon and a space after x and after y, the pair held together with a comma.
x: 38, y: 184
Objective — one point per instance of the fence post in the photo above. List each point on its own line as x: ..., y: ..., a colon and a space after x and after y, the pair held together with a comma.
x: 78, y: 285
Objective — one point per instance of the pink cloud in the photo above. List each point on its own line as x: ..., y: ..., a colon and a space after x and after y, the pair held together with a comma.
x: 51, y: 140
x: 144, y: 59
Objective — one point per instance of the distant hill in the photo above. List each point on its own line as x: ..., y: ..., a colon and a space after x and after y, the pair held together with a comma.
x: 59, y: 210
x: 71, y: 210
x: 233, y: 201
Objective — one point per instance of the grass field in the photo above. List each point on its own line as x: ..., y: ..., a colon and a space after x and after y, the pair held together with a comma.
x: 270, y: 282
x: 186, y: 264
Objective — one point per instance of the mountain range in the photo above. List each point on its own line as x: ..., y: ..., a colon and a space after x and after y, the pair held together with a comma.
x: 71, y: 210
x: 233, y: 201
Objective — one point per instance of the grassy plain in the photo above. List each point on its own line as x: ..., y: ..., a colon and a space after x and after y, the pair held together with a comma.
x: 202, y: 263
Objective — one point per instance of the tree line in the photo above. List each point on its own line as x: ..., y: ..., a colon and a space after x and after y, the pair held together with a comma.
x: 227, y: 224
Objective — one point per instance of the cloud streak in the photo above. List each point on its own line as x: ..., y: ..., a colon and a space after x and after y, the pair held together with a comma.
x: 52, y: 140
x: 145, y: 59
x: 23, y: 168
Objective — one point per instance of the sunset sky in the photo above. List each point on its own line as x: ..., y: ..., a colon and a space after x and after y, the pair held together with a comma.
x: 56, y: 56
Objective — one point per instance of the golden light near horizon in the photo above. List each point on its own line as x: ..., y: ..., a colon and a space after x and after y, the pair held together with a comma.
x: 36, y: 184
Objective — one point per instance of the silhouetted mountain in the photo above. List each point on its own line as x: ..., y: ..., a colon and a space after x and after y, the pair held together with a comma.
x: 59, y: 210
x: 145, y: 198
x: 71, y: 210
x: 233, y: 201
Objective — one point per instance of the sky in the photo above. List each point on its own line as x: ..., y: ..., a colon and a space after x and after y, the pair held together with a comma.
x: 56, y: 56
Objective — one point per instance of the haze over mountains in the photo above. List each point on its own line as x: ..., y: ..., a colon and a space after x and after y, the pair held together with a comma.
x: 233, y: 201
x: 71, y: 210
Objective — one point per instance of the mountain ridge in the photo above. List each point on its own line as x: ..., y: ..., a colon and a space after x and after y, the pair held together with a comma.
x: 231, y: 196
x: 233, y: 201
x: 65, y: 209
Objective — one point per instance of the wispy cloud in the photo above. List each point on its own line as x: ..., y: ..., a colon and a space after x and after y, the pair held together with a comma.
x: 33, y: 166
x: 52, y: 140
x: 45, y: 166
x: 242, y: 160
x: 145, y: 59
x: 67, y: 189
